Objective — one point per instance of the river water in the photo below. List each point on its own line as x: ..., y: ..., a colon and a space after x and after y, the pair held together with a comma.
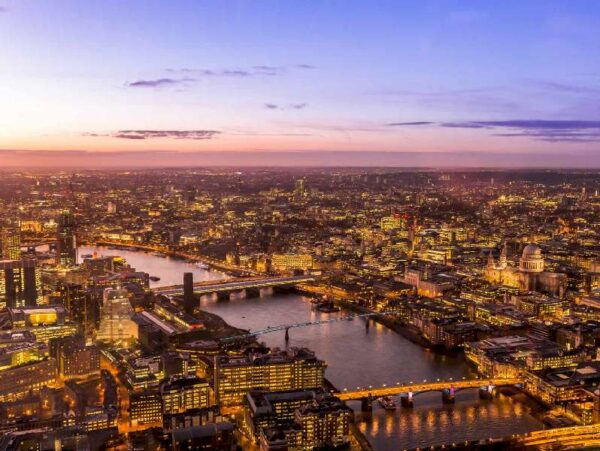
x: 359, y: 357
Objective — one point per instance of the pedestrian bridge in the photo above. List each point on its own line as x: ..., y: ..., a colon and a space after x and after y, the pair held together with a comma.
x: 411, y: 388
x: 231, y: 285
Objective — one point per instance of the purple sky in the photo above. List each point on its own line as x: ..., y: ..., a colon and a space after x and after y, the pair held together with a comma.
x: 148, y: 82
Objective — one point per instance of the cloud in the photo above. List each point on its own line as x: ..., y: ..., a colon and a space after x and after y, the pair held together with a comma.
x: 538, y: 129
x: 566, y: 87
x: 159, y: 83
x: 408, y: 124
x: 257, y: 70
x: 150, y: 134
x: 291, y: 106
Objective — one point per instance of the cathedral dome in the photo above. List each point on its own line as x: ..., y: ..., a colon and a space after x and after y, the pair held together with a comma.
x: 532, y: 259
x: 531, y: 250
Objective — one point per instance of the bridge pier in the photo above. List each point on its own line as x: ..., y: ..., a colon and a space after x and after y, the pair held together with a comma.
x: 448, y: 396
x: 366, y: 404
x: 486, y: 392
x: 222, y: 296
x: 283, y: 290
x: 406, y: 400
x: 287, y: 334
x: 252, y: 292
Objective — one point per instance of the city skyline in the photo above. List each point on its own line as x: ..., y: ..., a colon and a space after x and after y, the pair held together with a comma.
x: 428, y: 84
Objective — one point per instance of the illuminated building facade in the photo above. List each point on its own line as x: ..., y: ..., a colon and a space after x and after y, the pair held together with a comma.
x: 11, y: 242
x: 66, y: 245
x: 291, y: 262
x: 286, y: 370
x: 182, y: 394
x: 116, y: 325
x: 529, y: 276
x: 22, y: 380
x: 145, y: 408
x: 20, y: 283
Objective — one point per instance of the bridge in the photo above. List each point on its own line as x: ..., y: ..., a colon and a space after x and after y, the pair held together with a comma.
x: 232, y: 285
x: 573, y: 436
x: 287, y: 327
x: 407, y: 391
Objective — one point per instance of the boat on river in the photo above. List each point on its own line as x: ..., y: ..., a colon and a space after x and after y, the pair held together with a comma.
x: 327, y: 307
x: 387, y: 402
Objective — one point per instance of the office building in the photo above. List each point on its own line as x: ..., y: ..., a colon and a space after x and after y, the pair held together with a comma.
x: 11, y: 241
x: 182, y: 394
x: 20, y: 283
x: 66, y: 245
x: 292, y: 369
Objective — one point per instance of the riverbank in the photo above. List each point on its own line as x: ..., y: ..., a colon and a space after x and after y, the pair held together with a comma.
x: 194, y: 258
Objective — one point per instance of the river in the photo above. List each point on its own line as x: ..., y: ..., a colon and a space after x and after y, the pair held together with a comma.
x: 357, y: 356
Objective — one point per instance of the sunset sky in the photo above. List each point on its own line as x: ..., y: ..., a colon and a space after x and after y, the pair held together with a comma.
x: 154, y: 77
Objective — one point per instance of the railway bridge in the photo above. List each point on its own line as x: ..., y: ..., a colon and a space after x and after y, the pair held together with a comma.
x: 224, y: 288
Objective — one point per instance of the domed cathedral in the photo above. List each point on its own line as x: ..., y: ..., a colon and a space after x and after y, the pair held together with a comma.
x: 529, y: 276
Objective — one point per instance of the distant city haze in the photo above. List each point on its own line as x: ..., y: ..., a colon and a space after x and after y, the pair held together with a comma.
x: 158, y: 159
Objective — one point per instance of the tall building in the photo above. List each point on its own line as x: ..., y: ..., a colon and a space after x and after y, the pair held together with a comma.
x: 20, y: 283
x: 11, y: 241
x: 66, y: 245
x: 116, y: 325
x: 188, y: 292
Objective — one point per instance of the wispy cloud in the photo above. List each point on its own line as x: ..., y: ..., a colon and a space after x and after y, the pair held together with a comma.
x: 151, y: 134
x: 159, y: 82
x: 258, y: 70
x: 408, y: 124
x: 538, y: 129
x: 291, y: 106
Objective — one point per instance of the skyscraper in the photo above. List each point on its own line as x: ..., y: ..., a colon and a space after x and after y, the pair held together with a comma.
x: 20, y: 282
x: 66, y: 246
x: 188, y: 292
x: 11, y: 241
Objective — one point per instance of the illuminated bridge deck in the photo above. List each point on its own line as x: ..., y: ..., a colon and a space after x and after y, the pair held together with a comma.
x: 419, y: 387
x: 236, y: 285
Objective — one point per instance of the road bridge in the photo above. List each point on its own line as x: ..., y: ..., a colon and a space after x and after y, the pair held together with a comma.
x: 407, y: 391
x: 231, y: 285
x: 574, y: 436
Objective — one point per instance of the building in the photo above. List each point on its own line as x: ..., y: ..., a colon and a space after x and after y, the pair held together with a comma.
x: 235, y: 376
x: 145, y: 408
x: 11, y: 241
x: 116, y: 325
x: 189, y: 302
x: 23, y: 380
x: 291, y: 262
x: 75, y: 360
x: 187, y: 393
x: 529, y: 276
x: 266, y: 410
x: 20, y: 283
x: 324, y: 424
x: 66, y: 245
x: 300, y: 420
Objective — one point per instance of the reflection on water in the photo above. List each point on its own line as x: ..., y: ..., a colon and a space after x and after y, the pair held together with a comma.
x: 169, y: 269
x: 358, y: 357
